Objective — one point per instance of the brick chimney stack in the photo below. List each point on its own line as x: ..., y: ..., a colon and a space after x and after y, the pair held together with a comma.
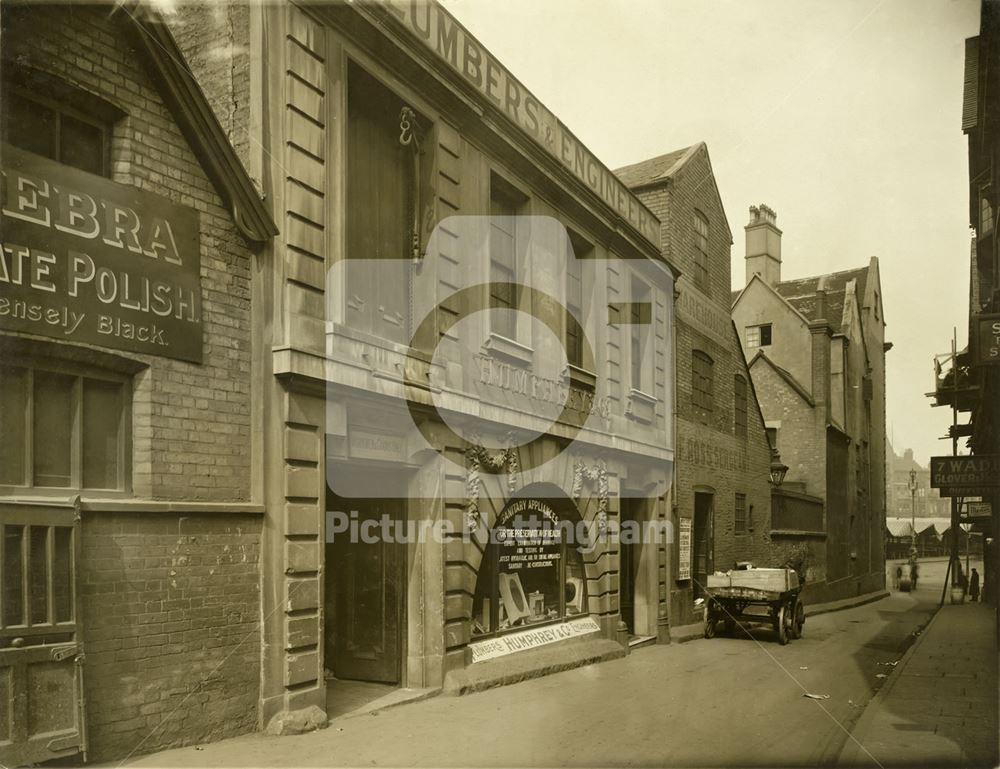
x: 763, y: 252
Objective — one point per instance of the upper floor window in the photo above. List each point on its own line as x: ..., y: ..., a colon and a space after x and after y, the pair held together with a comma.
x: 380, y: 181
x: 740, y: 406
x: 55, y: 129
x: 701, y: 251
x: 759, y: 336
x: 640, y: 328
x: 580, y: 250
x: 63, y: 429
x: 702, y: 383
x: 503, y: 258
x: 740, y: 521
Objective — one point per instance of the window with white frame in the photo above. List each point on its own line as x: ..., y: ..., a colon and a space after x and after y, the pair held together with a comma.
x: 759, y: 336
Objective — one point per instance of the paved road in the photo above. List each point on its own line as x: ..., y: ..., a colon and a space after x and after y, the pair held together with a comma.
x: 727, y: 701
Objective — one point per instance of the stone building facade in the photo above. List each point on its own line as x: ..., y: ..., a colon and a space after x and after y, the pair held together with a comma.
x: 130, y: 500
x: 721, y: 504
x: 816, y: 348
x: 411, y: 380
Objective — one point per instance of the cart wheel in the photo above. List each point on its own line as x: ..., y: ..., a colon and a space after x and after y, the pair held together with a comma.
x: 800, y: 618
x: 709, y: 625
x: 782, y: 622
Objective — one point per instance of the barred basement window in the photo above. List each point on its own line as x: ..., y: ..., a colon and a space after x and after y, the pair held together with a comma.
x: 62, y: 429
x: 702, y: 383
x: 740, y: 406
x: 701, y: 251
x: 740, y: 514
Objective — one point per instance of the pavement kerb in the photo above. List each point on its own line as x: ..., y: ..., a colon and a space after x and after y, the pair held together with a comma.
x: 851, y: 752
x: 846, y: 603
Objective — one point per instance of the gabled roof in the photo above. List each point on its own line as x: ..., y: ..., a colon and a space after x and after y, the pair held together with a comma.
x: 189, y: 107
x: 655, y: 169
x: 785, y: 375
x: 664, y: 168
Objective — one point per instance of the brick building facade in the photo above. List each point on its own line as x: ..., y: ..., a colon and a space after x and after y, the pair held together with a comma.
x: 721, y: 503
x: 130, y: 500
x: 817, y: 348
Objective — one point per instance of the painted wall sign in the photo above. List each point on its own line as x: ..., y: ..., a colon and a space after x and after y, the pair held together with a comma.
x: 532, y: 387
x: 979, y: 471
x: 531, y: 639
x: 711, y: 455
x: 366, y: 444
x: 684, y: 550
x: 693, y: 308
x: 85, y: 259
x: 450, y: 41
x: 987, y: 348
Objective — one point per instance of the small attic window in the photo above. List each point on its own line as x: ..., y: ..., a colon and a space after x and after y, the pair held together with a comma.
x: 759, y: 336
x: 49, y: 117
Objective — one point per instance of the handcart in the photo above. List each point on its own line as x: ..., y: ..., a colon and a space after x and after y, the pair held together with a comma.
x: 758, y: 596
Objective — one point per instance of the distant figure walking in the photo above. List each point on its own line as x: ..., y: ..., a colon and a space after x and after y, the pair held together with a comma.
x: 974, y: 585
x: 913, y: 575
x: 898, y: 578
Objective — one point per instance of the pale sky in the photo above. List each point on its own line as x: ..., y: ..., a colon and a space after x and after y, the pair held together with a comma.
x: 844, y: 116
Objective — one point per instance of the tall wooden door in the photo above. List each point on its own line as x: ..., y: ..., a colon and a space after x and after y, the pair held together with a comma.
x: 41, y: 658
x: 703, y: 545
x: 628, y: 567
x: 368, y: 591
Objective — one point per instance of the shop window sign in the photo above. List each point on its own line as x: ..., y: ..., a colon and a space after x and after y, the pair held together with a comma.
x: 529, y: 574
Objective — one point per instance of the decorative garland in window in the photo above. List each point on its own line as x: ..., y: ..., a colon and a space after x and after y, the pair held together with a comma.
x: 599, y: 473
x: 500, y: 461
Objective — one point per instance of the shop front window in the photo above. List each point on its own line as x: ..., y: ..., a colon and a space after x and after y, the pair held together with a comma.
x: 532, y: 570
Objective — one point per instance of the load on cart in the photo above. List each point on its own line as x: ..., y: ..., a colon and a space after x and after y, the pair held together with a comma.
x: 758, y: 596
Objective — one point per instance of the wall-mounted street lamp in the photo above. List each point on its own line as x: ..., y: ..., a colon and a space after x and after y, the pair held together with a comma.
x: 778, y: 469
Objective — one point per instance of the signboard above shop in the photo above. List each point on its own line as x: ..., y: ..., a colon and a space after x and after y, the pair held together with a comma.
x: 437, y: 29
x: 978, y: 471
x: 986, y: 347
x: 83, y: 259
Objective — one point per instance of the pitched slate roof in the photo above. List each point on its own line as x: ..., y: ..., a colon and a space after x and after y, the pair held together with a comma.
x: 801, y: 293
x: 654, y: 169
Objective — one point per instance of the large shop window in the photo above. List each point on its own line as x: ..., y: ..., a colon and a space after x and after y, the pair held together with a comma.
x: 62, y: 430
x: 54, y: 129
x: 381, y: 183
x: 530, y: 573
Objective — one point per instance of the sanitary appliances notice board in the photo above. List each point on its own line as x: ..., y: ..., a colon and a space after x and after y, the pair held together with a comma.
x: 684, y: 554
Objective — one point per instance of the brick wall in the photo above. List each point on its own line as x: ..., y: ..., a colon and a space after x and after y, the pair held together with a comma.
x: 171, y: 619
x: 710, y: 458
x: 191, y: 423
x: 171, y: 602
